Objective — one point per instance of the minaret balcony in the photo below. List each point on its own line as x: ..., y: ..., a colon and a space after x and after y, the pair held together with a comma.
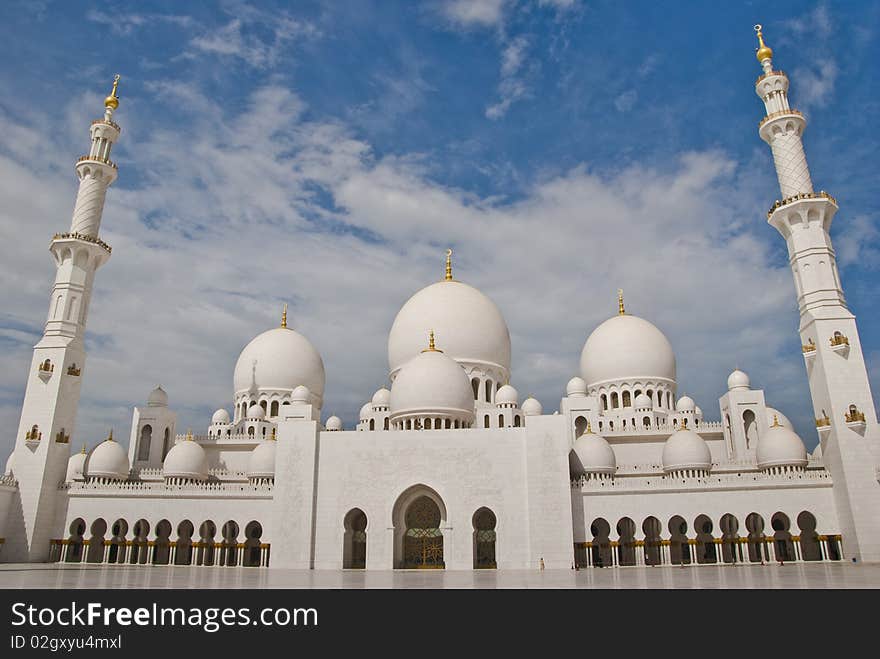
x: 83, y: 237
x: 62, y: 437
x: 96, y: 159
x: 769, y: 74
x: 45, y: 370
x: 839, y: 344
x: 809, y: 350
x: 779, y: 203
x: 855, y: 418
x: 823, y: 425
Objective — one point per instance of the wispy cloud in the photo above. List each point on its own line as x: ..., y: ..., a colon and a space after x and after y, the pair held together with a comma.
x: 813, y: 34
x: 514, y: 68
x: 122, y: 23
x: 473, y: 13
x: 238, y: 38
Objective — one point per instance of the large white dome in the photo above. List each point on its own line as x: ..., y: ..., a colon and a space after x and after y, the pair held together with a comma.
x: 280, y: 359
x: 76, y: 465
x: 685, y: 449
x: 108, y: 460
x: 468, y: 325
x: 432, y: 384
x: 186, y: 459
x: 780, y: 446
x: 627, y: 347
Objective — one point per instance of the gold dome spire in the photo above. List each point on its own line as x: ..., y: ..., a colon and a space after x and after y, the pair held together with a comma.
x: 449, y: 264
x: 620, y: 310
x: 110, y: 436
x: 284, y: 316
x: 775, y: 421
x: 764, y: 51
x: 112, y: 101
x: 431, y: 347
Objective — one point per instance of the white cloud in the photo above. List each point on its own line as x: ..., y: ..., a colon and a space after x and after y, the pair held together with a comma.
x: 625, y: 101
x: 474, y: 13
x: 812, y: 36
x: 235, y: 39
x: 858, y: 243
x: 512, y: 85
x: 124, y: 24
x: 265, y: 206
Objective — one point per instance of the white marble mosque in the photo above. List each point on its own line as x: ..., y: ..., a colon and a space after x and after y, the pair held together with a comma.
x: 449, y: 467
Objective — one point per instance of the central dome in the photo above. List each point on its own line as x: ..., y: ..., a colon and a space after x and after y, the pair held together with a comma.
x: 279, y: 359
x: 469, y: 324
x: 627, y: 347
x: 432, y: 385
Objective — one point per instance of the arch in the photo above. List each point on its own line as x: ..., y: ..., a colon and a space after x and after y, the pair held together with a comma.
x: 385, y: 423
x: 488, y: 391
x: 626, y: 543
x: 669, y: 400
x: 229, y: 544
x: 604, y: 398
x: 500, y: 420
x: 659, y: 399
x: 652, y: 528
x: 139, y: 546
x: 184, y: 544
x: 705, y: 540
x: 730, y: 550
x: 810, y: 548
x: 144, y: 443
x: 75, y: 541
x: 265, y: 407
x: 475, y: 385
x: 95, y: 553
x: 162, y: 543
x: 116, y: 550
x: 627, y: 399
x: 273, y: 410
x: 783, y: 545
x: 486, y: 421
x: 600, y: 529
x: 484, y: 522
x: 646, y: 421
x: 372, y: 424
x: 750, y: 427
x: 615, y: 401
x: 166, y: 443
x: 517, y: 422
x: 253, y: 551
x: 207, y: 531
x: 580, y: 426
x: 755, y: 527
x: 679, y: 547
x: 354, y: 544
x: 419, y: 517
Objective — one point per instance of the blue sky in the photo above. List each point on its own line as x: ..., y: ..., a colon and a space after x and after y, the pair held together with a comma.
x: 325, y: 154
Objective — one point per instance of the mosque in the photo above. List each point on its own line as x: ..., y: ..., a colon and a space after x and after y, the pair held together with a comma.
x: 450, y: 467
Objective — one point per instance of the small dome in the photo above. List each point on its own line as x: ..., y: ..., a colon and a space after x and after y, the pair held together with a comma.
x: 627, y: 347
x: 108, y: 460
x: 382, y: 398
x: 779, y: 446
x: 301, y: 394
x: 432, y: 383
x: 261, y: 464
x: 279, y: 359
x: 685, y: 449
x: 737, y: 380
x: 698, y: 412
x: 506, y: 395
x: 592, y: 454
x: 532, y: 407
x: 8, y: 470
x: 576, y: 388
x: 643, y: 401
x: 186, y: 460
x: 333, y: 423
x: 685, y: 404
x: 256, y: 412
x: 157, y: 398
x: 773, y: 415
x: 220, y: 416
x: 76, y: 465
x: 366, y: 410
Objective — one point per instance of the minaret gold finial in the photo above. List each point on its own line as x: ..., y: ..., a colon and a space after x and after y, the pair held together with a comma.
x: 112, y: 101
x: 189, y: 434
x: 284, y: 316
x: 449, y: 264
x: 83, y: 451
x: 589, y: 429
x: 110, y: 436
x: 620, y: 309
x: 775, y: 421
x: 764, y: 51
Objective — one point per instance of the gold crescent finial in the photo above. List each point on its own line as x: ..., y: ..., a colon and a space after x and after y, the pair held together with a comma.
x: 589, y: 428
x: 620, y: 309
x: 83, y: 451
x: 431, y: 347
x: 764, y: 51
x: 189, y: 434
x: 284, y: 316
x: 449, y: 264
x: 112, y: 101
x: 775, y: 420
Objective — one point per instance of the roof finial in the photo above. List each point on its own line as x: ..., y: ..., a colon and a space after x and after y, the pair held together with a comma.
x: 431, y: 347
x: 284, y: 316
x: 110, y: 436
x: 620, y: 309
x: 775, y: 420
x: 112, y: 101
x: 764, y: 51
x: 83, y: 451
x: 449, y: 264
x: 189, y: 434
x: 589, y: 428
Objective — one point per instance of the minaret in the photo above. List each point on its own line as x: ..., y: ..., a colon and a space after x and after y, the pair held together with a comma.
x: 841, y: 393
x: 48, y: 414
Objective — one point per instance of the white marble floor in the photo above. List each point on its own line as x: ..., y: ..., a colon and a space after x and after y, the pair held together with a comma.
x: 791, y: 575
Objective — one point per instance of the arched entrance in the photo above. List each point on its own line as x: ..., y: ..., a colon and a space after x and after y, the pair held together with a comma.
x: 418, y: 516
x: 354, y: 552
x: 484, y: 539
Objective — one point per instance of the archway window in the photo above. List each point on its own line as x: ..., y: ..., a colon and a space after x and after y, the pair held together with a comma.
x: 207, y: 531
x: 162, y: 544
x: 166, y: 443
x: 354, y: 554
x: 705, y: 540
x: 604, y: 398
x: 264, y: 406
x: 475, y: 383
x: 750, y: 426
x: 626, y: 545
x: 669, y: 400
x: 250, y: 431
x: 229, y: 545
x: 184, y: 545
x: 488, y: 391
x: 627, y: 399
x: 274, y: 408
x: 615, y: 400
x: 679, y: 549
x: 653, y: 553
x: 385, y: 424
x: 372, y: 424
x: 755, y: 527
x: 423, y: 541
x: 516, y: 421
x: 116, y: 551
x: 782, y: 542
x: 730, y: 549
x: 486, y: 421
x: 500, y: 420
x: 75, y: 541
x: 659, y: 399
x: 810, y: 548
x: 144, y: 444
x: 601, y: 549
x: 580, y: 426
x: 484, y: 522
x: 96, y: 542
x: 253, y: 552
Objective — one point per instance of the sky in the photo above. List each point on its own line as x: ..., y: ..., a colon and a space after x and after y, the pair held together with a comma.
x: 325, y: 155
